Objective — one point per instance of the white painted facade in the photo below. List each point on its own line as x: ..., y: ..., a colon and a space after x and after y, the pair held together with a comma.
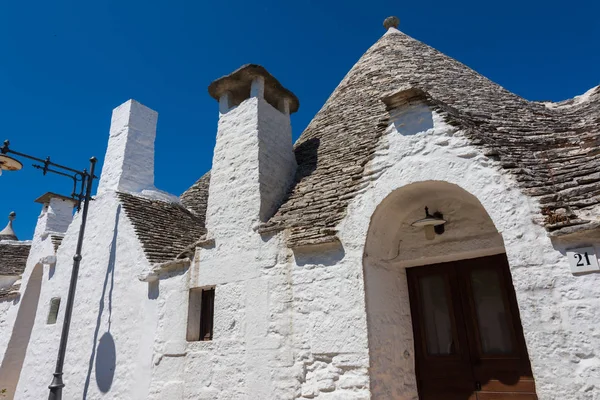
x: 55, y: 217
x: 323, y: 322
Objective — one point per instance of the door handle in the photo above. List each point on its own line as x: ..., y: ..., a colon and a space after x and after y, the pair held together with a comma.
x: 478, y: 386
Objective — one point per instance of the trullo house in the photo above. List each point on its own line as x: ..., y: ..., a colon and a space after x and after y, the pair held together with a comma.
x: 429, y: 236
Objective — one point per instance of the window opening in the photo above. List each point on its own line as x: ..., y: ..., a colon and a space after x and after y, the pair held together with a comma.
x: 201, y: 314
x: 53, y: 313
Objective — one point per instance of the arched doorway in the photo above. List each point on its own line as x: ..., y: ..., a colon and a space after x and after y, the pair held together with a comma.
x: 442, y: 315
x: 10, y: 369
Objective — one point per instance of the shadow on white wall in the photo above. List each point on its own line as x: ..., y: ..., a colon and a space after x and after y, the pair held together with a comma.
x: 10, y: 369
x: 104, y: 356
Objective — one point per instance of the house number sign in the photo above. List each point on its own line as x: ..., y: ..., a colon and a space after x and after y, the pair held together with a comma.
x: 583, y: 260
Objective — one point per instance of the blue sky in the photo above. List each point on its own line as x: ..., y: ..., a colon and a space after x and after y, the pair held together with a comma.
x: 65, y: 65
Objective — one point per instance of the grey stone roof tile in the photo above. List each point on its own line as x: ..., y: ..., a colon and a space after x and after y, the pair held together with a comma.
x: 164, y: 229
x: 13, y: 257
x: 195, y: 198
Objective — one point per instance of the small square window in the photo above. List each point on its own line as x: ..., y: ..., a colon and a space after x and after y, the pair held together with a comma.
x: 53, y: 313
x: 201, y: 314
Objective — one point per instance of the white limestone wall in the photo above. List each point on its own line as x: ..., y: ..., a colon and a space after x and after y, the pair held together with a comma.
x: 112, y: 307
x: 56, y: 216
x: 276, y: 159
x: 234, y: 191
x: 20, y: 333
x: 330, y: 327
x: 250, y: 354
x: 278, y: 314
x: 287, y: 326
x: 10, y: 308
x: 169, y: 344
x: 253, y: 165
x: 19, y: 321
x: 559, y: 311
x: 110, y: 347
x: 6, y: 322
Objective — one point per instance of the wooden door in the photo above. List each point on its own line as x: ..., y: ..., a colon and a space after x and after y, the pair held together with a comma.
x: 469, y: 341
x: 442, y: 354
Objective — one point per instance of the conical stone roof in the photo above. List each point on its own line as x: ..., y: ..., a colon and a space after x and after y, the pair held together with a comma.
x: 550, y: 149
x: 13, y: 256
x: 8, y: 233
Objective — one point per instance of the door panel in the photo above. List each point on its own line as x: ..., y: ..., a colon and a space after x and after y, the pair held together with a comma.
x: 505, y: 396
x: 438, y: 321
x: 523, y: 385
x: 441, y: 347
x: 499, y: 357
x: 495, y: 333
x: 468, y: 337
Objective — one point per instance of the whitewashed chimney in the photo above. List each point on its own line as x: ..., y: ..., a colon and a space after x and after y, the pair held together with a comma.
x: 253, y: 163
x: 129, y: 161
x: 56, y: 214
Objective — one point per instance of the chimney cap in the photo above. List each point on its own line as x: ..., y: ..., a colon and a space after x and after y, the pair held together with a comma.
x: 46, y: 197
x: 239, y: 82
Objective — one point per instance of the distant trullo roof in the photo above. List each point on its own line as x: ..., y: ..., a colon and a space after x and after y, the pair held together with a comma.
x: 8, y: 233
x: 550, y: 149
x: 13, y: 257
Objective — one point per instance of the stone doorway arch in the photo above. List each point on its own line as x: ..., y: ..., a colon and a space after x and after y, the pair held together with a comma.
x: 392, y: 246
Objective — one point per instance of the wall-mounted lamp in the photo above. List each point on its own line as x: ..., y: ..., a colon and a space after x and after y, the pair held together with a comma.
x: 9, y: 164
x: 432, y: 223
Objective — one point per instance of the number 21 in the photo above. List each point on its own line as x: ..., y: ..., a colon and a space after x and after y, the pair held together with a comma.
x: 579, y: 258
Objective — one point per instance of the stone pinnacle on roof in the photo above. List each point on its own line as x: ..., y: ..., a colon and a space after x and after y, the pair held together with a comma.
x: 8, y: 233
x: 391, y: 22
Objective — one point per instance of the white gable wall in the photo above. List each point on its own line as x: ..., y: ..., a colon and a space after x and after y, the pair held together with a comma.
x: 55, y: 217
x: 110, y: 302
x: 109, y: 352
x: 557, y: 308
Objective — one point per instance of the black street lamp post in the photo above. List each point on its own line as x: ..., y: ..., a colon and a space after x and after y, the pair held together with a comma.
x: 82, y: 191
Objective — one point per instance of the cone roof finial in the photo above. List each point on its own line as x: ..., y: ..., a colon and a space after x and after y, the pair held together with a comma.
x: 391, y: 22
